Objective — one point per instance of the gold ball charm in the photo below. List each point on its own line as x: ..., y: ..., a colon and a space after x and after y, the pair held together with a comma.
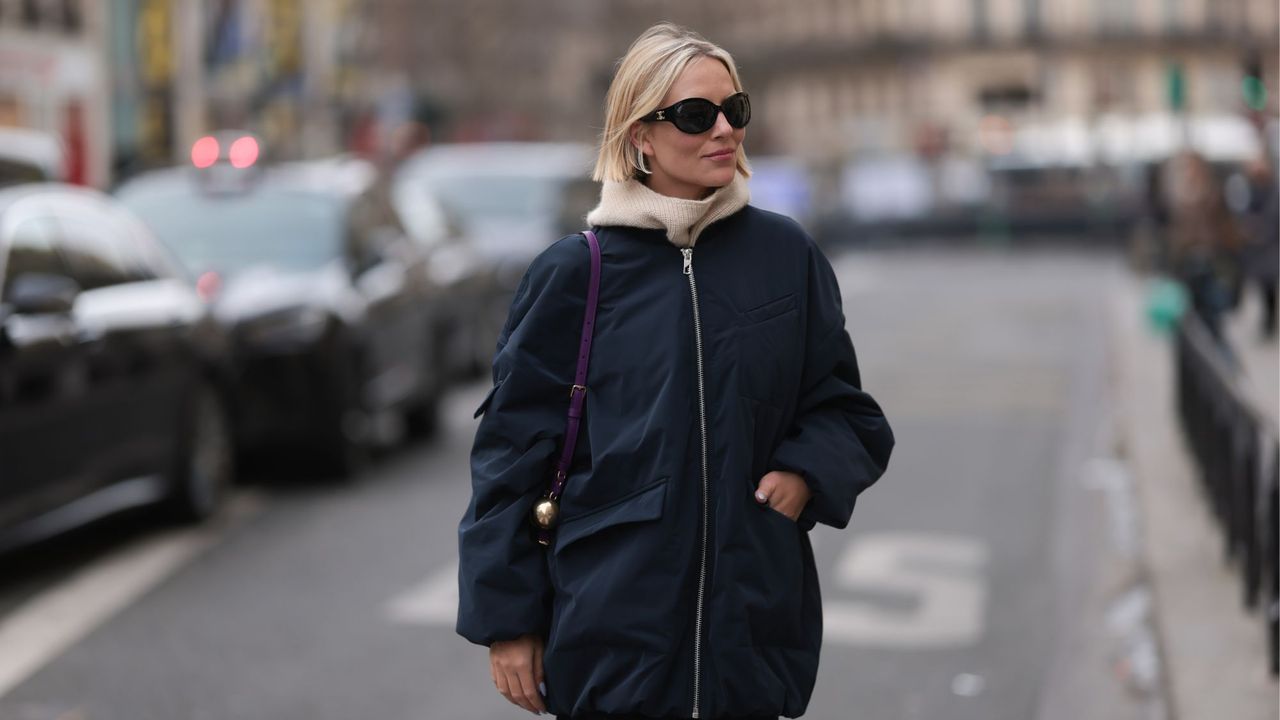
x: 545, y: 513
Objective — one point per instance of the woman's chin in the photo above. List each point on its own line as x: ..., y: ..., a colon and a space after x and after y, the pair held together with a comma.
x: 719, y: 179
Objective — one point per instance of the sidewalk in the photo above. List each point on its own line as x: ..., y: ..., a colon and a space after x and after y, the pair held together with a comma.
x: 1213, y: 652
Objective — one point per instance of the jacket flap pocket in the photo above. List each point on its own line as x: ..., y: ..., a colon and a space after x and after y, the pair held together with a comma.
x: 644, y: 504
x: 488, y: 397
x: 771, y: 309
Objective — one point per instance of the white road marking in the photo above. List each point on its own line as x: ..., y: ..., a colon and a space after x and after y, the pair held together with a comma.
x: 57, y: 618
x: 432, y: 602
x: 943, y: 575
x: 1112, y: 477
x: 968, y: 685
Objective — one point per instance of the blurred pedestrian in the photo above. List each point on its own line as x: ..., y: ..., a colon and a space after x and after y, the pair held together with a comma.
x: 1150, y: 244
x: 1206, y: 243
x: 1261, y: 218
x: 724, y: 417
x: 414, y: 133
x: 362, y: 134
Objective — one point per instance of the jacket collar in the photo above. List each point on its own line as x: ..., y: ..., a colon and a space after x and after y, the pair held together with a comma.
x: 631, y: 203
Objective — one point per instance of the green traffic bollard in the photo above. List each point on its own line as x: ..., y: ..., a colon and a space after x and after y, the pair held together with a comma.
x: 1166, y: 302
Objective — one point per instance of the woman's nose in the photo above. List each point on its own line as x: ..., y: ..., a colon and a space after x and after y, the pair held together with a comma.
x: 722, y: 128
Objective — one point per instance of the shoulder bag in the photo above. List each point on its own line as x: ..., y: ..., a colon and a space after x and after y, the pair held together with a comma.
x: 546, y: 513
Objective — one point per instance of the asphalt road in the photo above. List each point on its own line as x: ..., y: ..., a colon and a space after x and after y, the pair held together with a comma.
x: 951, y: 596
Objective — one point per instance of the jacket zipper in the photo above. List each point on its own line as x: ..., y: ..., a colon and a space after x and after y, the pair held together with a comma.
x: 702, y: 424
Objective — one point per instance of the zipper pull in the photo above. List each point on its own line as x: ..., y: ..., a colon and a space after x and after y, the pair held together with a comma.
x: 688, y: 260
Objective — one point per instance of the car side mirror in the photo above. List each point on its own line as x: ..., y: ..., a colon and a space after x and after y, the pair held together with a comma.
x: 41, y: 293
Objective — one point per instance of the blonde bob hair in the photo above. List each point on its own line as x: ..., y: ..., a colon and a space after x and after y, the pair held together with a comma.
x: 645, y: 75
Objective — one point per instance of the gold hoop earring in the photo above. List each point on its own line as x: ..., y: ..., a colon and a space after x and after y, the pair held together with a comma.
x: 640, y: 162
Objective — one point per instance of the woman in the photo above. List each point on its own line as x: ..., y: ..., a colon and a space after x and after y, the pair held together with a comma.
x: 724, y: 418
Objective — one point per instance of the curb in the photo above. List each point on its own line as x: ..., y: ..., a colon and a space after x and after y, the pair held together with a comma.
x: 1213, y: 650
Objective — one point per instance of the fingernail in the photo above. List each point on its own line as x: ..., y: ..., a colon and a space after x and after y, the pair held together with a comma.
x: 760, y: 496
x: 542, y: 688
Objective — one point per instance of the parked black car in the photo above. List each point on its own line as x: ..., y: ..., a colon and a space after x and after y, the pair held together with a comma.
x: 29, y: 156
x: 474, y: 300
x: 331, y: 309
x: 113, y: 373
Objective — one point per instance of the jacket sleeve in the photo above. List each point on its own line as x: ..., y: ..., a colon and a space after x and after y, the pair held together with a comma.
x: 504, y: 591
x: 839, y: 441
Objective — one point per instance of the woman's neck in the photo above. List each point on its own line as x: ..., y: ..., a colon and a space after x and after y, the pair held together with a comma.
x: 664, y: 185
x: 631, y: 203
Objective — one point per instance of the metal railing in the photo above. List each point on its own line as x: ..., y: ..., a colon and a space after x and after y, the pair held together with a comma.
x: 1238, y: 454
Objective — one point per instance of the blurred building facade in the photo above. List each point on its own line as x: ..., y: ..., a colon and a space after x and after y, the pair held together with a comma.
x: 131, y: 83
x: 503, y: 69
x: 52, y: 79
x: 1087, y: 79
x: 842, y: 76
x: 303, y: 74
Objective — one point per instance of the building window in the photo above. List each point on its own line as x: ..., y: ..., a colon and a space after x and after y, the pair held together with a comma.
x: 847, y: 20
x: 56, y: 15
x: 1114, y: 17
x: 1172, y: 15
x: 1221, y: 16
x: 71, y: 17
x: 981, y: 23
x: 1031, y: 19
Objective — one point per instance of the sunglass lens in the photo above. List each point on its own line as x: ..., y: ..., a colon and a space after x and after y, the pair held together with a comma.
x: 695, y: 116
x: 737, y: 110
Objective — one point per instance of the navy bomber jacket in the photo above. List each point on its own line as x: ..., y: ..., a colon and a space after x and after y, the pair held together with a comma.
x: 668, y: 590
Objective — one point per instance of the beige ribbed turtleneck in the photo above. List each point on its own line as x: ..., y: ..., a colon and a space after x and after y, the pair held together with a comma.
x: 633, y: 204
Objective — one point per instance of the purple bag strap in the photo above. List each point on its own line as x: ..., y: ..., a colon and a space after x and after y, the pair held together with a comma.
x: 578, y: 393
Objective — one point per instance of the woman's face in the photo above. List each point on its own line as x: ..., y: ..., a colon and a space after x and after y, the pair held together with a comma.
x: 692, y: 166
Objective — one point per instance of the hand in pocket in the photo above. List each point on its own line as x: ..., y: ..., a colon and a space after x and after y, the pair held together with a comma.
x: 785, y: 492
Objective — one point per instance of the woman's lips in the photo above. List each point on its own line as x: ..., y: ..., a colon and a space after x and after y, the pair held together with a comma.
x: 721, y: 155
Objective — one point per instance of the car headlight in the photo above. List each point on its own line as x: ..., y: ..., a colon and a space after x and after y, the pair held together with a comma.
x: 295, y: 326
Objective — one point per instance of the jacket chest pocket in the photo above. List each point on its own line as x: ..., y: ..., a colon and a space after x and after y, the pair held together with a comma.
x: 769, y: 348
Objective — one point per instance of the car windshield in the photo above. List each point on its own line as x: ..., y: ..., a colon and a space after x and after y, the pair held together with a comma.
x: 286, y: 230
x: 477, y: 198
x: 16, y: 172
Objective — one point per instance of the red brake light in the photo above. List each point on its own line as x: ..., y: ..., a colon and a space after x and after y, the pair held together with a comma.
x: 244, y: 152
x: 207, y: 285
x: 204, y: 152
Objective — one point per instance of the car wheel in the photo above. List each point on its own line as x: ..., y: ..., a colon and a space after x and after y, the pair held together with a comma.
x: 206, y: 464
x: 422, y: 418
x: 454, y: 350
x: 345, y: 448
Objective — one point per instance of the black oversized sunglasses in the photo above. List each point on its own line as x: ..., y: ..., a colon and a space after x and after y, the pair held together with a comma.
x: 698, y: 115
